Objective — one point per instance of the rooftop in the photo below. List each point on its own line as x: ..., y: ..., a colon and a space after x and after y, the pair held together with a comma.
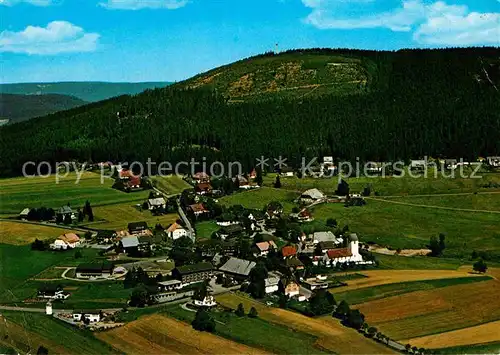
x: 190, y: 269
x: 238, y: 266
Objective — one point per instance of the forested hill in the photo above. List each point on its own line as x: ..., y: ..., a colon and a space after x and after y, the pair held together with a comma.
x: 17, y: 108
x: 417, y: 102
x: 90, y: 91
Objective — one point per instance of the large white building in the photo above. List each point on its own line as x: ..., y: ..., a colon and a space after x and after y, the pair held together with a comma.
x: 344, y: 255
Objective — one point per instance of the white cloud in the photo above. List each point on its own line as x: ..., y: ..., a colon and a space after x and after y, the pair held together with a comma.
x: 143, y: 4
x: 436, y: 23
x: 57, y: 37
x: 32, y: 2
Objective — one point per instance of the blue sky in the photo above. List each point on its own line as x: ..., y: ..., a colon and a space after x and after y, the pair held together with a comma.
x: 171, y: 40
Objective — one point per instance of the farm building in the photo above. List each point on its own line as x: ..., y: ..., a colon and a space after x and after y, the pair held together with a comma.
x: 176, y: 231
x: 158, y: 202
x: 137, y: 227
x: 91, y: 316
x: 230, y: 231
x: 24, y: 213
x: 263, y: 248
x: 193, y: 273
x: 237, y: 268
x: 198, y: 209
x: 328, y: 236
x: 311, y: 196
x: 203, y: 188
x: 66, y: 241
x: 97, y: 271
x: 272, y: 283
x: 65, y: 211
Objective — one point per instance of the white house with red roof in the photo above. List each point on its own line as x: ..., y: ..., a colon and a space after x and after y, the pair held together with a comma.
x: 176, y: 231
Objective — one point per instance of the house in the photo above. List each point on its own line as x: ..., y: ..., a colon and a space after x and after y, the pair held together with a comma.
x: 176, y: 231
x: 189, y: 274
x: 288, y: 251
x: 327, y: 245
x: 230, y: 231
x: 203, y: 188
x: 493, y: 161
x: 294, y: 264
x: 24, y: 213
x: 333, y: 257
x: 134, y: 182
x: 272, y: 283
x: 290, y: 287
x: 130, y: 244
x: 158, y: 202
x: 170, y: 285
x: 274, y: 210
x: 287, y: 171
x: 201, y: 177
x: 66, y: 241
x: 311, y: 196
x: 198, y: 209
x: 137, y: 227
x: 145, y: 243
x: 253, y: 174
x: 237, y: 268
x: 418, y: 164
x: 94, y: 271
x: 315, y: 283
x: 52, y: 292
x: 125, y: 174
x: 323, y: 237
x: 263, y: 248
x: 240, y: 180
x: 302, y: 217
x: 65, y: 211
x: 90, y: 316
x: 207, y: 302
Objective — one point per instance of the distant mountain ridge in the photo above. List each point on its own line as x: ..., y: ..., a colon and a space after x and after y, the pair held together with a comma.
x: 17, y: 108
x: 90, y: 91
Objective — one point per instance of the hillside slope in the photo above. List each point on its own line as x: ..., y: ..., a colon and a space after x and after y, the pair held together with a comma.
x: 17, y: 108
x: 288, y: 75
x: 439, y: 103
x: 86, y: 91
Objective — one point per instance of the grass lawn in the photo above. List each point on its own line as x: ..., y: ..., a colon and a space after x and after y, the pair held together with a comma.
x: 382, y: 291
x: 259, y: 198
x: 24, y: 233
x: 72, y: 339
x: 205, y: 229
x: 19, y: 193
x: 390, y: 186
x: 170, y: 185
x: 118, y: 216
x: 20, y: 263
x: 406, y: 227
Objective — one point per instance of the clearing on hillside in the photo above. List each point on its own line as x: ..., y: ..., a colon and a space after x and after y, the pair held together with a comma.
x: 332, y: 336
x: 17, y: 233
x: 259, y: 198
x: 158, y: 334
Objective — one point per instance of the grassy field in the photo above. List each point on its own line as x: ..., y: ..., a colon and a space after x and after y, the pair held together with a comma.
x: 422, y: 313
x: 397, y: 262
x: 259, y: 198
x: 170, y: 185
x: 332, y: 336
x: 409, y: 227
x: 157, y: 334
x: 484, y: 201
x: 378, y: 292
x: 19, y: 193
x: 117, y: 216
x: 22, y: 233
x: 393, y: 186
x: 32, y: 329
x: 205, y: 229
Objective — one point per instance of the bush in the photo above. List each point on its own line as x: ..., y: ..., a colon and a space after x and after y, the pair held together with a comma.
x: 240, y: 311
x: 253, y: 313
x: 203, y: 321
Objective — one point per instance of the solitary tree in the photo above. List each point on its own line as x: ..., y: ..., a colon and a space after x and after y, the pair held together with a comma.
x: 480, y: 266
x: 277, y: 183
x: 203, y: 321
x: 253, y: 313
x: 240, y: 311
x: 258, y: 178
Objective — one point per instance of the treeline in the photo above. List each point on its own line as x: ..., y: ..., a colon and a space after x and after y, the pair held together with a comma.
x: 421, y: 102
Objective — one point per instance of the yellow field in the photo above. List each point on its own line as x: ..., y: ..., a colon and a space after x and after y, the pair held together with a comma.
x: 484, y: 333
x: 23, y: 233
x: 383, y: 277
x: 422, y: 313
x: 332, y: 336
x: 118, y: 216
x: 158, y: 334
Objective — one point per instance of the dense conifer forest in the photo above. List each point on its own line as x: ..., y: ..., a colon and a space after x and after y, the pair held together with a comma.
x: 417, y: 102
